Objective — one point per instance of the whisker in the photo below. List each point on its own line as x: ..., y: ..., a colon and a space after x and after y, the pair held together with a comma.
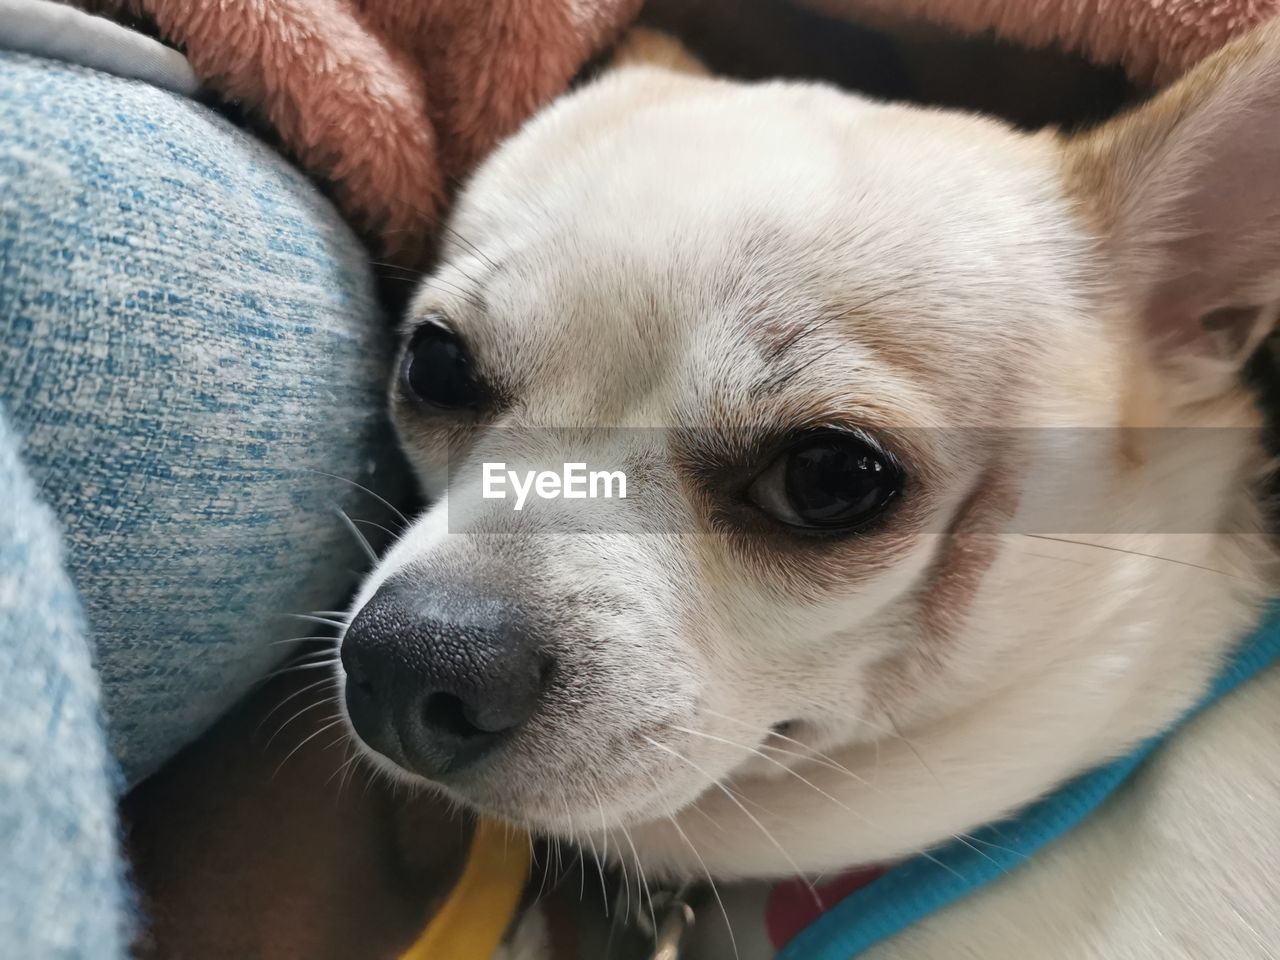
x: 456, y: 290
x: 817, y: 754
x: 814, y: 759
x: 822, y: 324
x: 299, y: 668
x: 1139, y: 553
x: 328, y: 726
x: 335, y: 741
x: 360, y: 537
x: 329, y: 654
x: 341, y: 772
x: 546, y: 871
x: 296, y: 693
x: 780, y: 380
x: 778, y: 763
x: 715, y: 891
x: 401, y: 272
x: 829, y: 761
x: 361, y: 487
x: 325, y: 621
x: 600, y: 862
x: 626, y: 886
x: 444, y: 227
x: 314, y: 639
x: 642, y: 886
x: 604, y: 889
x: 916, y: 753
x: 310, y: 706
x: 749, y: 815
x: 573, y: 832
x: 839, y: 768
x: 476, y: 251
x: 369, y: 523
x: 962, y: 838
x: 350, y: 777
x: 705, y: 816
x: 994, y: 846
x: 1050, y: 556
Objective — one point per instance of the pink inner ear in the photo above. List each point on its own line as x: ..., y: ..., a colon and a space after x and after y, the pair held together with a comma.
x: 1218, y: 235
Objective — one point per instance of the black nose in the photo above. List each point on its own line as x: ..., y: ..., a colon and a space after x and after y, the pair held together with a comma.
x: 436, y: 681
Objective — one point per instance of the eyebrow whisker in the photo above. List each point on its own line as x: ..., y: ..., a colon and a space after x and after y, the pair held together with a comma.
x: 773, y: 384
x: 831, y: 317
x: 471, y: 298
x: 444, y: 227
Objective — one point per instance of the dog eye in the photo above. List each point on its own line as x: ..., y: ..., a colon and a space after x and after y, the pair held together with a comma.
x: 827, y: 480
x: 437, y: 369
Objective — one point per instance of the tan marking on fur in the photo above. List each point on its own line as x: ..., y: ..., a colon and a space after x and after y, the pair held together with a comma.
x: 644, y: 46
x: 1105, y: 169
x: 1102, y: 167
x: 1140, y: 407
x: 969, y: 547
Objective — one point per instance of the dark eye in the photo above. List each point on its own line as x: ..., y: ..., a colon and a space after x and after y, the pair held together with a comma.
x: 437, y: 369
x: 827, y: 480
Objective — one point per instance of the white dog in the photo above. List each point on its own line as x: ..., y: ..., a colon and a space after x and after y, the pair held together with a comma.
x: 942, y: 483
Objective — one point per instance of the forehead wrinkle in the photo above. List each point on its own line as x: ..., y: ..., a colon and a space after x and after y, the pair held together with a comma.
x: 595, y: 334
x: 820, y: 323
x: 836, y: 344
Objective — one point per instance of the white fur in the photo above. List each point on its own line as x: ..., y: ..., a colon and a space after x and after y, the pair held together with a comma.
x: 1179, y: 865
x: 619, y: 294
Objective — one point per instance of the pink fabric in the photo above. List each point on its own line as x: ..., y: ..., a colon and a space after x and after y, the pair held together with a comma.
x: 795, y: 904
x: 388, y: 101
x: 1154, y: 40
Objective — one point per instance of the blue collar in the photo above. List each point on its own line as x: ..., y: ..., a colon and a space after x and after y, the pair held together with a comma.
x: 921, y: 885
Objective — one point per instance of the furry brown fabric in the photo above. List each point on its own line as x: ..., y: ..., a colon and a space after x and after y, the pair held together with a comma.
x: 387, y: 101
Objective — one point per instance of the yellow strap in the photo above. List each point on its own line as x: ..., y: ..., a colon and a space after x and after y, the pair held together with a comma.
x: 482, y: 903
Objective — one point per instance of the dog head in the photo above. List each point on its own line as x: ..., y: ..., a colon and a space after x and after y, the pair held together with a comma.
x: 864, y: 369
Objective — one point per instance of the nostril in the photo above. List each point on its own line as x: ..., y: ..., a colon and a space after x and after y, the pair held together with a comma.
x: 447, y: 713
x: 356, y: 676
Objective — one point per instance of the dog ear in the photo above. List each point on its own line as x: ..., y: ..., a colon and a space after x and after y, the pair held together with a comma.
x: 1186, y: 192
x: 651, y: 48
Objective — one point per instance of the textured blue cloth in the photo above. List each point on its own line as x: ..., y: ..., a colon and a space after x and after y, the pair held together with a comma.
x: 60, y: 890
x: 922, y: 885
x: 190, y: 355
x: 189, y: 342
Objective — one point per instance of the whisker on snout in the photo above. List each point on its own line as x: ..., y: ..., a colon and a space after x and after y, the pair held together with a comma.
x: 293, y: 696
x: 773, y: 841
x: 361, y: 539
x: 330, y: 701
x: 363, y: 489
x: 1139, y: 553
x: 823, y: 760
x: 328, y: 726
x: 324, y: 621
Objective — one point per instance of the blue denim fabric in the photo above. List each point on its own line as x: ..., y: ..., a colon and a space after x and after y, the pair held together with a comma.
x: 190, y: 355
x: 60, y: 890
x: 189, y: 343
